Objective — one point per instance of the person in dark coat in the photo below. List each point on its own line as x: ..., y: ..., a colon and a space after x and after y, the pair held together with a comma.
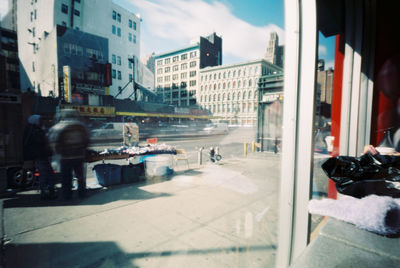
x: 70, y: 139
x: 36, y: 147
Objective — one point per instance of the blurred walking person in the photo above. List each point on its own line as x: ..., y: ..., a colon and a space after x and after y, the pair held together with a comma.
x: 276, y: 146
x: 36, y: 147
x: 70, y: 138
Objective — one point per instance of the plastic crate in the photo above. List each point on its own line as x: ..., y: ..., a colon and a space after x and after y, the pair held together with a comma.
x: 132, y: 173
x: 107, y: 174
x: 158, y: 166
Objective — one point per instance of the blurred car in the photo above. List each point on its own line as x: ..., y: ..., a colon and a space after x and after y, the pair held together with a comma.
x: 216, y: 128
x: 113, y: 131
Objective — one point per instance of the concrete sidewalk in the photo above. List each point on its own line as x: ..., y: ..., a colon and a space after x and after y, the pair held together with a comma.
x: 222, y: 215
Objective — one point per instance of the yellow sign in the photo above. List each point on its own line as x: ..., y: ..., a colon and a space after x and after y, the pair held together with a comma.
x: 67, y: 83
x: 87, y: 110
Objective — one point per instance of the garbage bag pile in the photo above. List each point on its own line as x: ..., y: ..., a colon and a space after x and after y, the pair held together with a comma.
x: 371, y: 185
x: 365, y: 175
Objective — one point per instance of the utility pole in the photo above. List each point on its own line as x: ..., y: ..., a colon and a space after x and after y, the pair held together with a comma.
x: 132, y: 60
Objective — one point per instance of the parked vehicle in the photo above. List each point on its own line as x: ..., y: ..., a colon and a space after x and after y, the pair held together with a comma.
x: 113, y: 131
x: 216, y: 128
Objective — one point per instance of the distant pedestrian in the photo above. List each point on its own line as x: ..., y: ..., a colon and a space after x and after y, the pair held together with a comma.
x: 212, y: 154
x: 36, y: 147
x: 127, y: 135
x: 70, y: 139
x: 276, y: 144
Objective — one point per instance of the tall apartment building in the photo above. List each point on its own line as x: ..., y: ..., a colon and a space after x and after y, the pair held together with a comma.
x: 177, y: 72
x: 274, y: 53
x: 102, y: 18
x: 231, y: 91
x: 324, y: 92
x: 9, y: 66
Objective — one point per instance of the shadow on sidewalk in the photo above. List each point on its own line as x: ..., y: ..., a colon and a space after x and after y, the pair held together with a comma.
x: 93, y: 197
x: 101, y: 254
x: 84, y: 254
x: 131, y: 191
x: 190, y: 172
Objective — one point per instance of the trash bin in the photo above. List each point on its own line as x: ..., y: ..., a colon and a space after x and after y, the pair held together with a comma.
x: 158, y: 166
x: 132, y: 173
x: 107, y: 174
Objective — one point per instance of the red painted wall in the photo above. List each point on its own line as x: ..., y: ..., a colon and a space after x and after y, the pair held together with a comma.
x: 336, y: 104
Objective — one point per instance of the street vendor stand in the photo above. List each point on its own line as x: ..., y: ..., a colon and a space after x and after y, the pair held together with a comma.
x: 111, y: 174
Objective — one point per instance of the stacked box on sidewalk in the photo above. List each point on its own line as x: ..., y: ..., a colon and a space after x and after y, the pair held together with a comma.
x: 132, y: 173
x: 108, y: 174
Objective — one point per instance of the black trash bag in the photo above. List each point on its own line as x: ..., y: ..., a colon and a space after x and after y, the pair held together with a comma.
x: 365, y: 175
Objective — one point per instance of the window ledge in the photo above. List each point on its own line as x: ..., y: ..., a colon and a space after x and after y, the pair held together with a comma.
x: 340, y: 244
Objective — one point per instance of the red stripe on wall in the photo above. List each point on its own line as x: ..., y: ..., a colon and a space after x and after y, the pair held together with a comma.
x: 336, y: 104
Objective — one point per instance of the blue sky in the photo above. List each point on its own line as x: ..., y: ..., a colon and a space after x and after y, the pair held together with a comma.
x: 244, y: 25
x: 326, y: 50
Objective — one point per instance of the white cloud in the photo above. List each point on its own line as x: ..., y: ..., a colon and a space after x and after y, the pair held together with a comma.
x: 180, y: 21
x: 322, y: 51
x: 330, y: 64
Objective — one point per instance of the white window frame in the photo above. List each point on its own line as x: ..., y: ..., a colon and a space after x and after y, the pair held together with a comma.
x: 297, y: 141
x: 356, y: 110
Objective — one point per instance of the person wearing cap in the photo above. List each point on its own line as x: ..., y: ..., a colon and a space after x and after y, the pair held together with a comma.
x: 36, y: 147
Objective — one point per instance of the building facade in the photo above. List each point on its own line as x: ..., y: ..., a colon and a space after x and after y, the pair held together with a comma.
x: 9, y: 63
x: 230, y: 91
x: 177, y: 72
x: 324, y: 92
x: 37, y: 19
x: 274, y: 53
x: 86, y: 57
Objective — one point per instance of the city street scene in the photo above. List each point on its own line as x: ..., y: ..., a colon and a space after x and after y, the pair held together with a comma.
x: 148, y: 133
x: 220, y: 214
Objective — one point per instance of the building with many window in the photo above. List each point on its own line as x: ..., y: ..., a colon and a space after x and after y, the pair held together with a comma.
x: 120, y: 27
x: 230, y: 91
x: 324, y: 92
x: 177, y: 72
x: 9, y: 66
x: 274, y: 53
x: 78, y: 65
